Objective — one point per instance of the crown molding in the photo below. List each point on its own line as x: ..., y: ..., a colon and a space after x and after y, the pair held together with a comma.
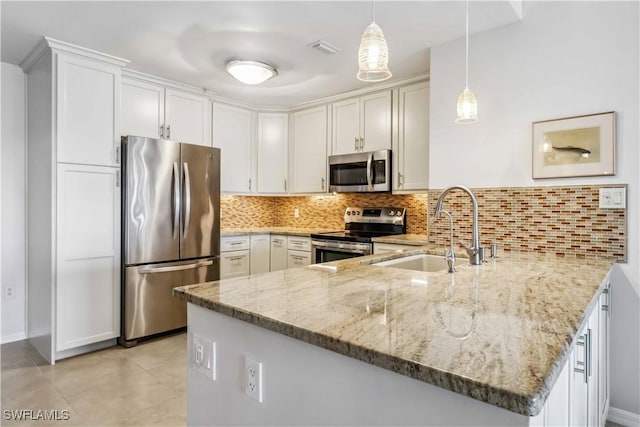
x: 139, y: 75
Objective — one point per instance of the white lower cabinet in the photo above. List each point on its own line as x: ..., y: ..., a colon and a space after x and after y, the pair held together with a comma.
x: 234, y: 264
x: 259, y: 257
x: 580, y: 396
x: 88, y: 255
x: 278, y: 255
x: 299, y: 251
x: 298, y: 259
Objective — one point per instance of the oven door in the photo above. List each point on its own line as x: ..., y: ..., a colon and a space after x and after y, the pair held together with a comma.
x: 332, y: 250
x: 360, y: 172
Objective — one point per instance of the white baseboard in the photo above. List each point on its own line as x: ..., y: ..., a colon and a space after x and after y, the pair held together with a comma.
x: 624, y: 418
x: 13, y: 337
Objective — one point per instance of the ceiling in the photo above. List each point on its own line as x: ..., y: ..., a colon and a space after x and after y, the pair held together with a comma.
x: 191, y: 42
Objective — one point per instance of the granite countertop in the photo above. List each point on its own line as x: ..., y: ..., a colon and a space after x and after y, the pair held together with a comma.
x: 499, y: 332
x: 404, y: 239
x: 290, y: 231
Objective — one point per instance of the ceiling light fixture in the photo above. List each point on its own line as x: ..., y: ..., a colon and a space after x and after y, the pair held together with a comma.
x: 373, y: 55
x: 251, y: 72
x: 467, y: 106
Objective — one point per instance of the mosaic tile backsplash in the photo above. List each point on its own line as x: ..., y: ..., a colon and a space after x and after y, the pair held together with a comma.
x: 560, y: 220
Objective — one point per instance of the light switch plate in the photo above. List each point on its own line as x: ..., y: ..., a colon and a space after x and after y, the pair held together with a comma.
x: 203, y: 356
x: 613, y: 198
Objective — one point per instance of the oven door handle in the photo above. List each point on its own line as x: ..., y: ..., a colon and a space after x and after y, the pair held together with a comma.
x: 369, y: 172
x: 364, y: 248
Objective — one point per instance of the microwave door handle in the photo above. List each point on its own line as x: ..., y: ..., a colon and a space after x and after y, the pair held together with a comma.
x: 369, y: 172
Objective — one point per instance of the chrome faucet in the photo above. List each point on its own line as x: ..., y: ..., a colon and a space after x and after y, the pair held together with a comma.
x: 449, y: 254
x: 474, y: 250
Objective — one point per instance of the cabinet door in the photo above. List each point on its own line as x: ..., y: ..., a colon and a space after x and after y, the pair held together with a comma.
x: 232, y: 134
x: 578, y: 381
x: 234, y: 264
x: 278, y: 253
x: 272, y: 152
x: 411, y: 156
x: 142, y: 109
x: 375, y: 121
x: 345, y: 135
x: 603, y: 353
x: 187, y: 117
x: 88, y: 111
x: 259, y: 259
x: 309, y: 151
x: 298, y: 259
x: 88, y: 255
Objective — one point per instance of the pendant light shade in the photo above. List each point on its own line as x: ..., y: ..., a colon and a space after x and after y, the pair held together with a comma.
x: 467, y: 106
x: 373, y: 55
x: 251, y: 72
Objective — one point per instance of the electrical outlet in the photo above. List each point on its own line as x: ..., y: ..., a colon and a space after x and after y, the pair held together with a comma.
x: 9, y: 292
x: 253, y: 379
x: 296, y: 213
x: 204, y: 356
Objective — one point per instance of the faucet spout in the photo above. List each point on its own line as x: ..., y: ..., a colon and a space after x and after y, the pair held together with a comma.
x: 474, y: 250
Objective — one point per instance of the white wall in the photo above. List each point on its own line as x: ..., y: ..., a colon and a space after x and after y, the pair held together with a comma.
x: 13, y: 201
x: 563, y: 59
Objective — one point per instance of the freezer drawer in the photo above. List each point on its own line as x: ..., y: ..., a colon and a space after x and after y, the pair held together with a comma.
x: 148, y: 304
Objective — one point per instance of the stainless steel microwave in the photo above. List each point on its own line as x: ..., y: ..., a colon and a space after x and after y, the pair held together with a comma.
x: 360, y: 172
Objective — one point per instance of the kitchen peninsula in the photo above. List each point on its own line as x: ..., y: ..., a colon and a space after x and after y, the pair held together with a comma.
x: 486, y: 345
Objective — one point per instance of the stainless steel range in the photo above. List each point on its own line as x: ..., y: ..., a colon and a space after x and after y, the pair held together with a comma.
x: 360, y: 226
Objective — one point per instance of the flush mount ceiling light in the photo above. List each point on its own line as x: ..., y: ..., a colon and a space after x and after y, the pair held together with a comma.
x: 467, y: 106
x: 373, y: 55
x: 251, y: 72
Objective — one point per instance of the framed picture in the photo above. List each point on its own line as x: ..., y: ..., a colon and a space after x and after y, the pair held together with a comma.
x: 574, y: 146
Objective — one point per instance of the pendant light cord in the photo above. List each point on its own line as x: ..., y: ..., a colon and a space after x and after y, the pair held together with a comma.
x: 466, y: 60
x: 373, y: 15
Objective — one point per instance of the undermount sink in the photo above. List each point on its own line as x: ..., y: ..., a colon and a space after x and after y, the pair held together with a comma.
x: 420, y: 262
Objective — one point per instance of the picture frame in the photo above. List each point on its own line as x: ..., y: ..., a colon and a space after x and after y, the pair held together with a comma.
x: 574, y: 146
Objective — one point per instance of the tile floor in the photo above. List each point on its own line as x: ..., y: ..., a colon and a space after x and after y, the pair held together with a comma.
x: 142, y: 385
x: 139, y: 386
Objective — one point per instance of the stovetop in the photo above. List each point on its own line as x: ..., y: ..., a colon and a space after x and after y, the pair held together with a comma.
x: 362, y: 224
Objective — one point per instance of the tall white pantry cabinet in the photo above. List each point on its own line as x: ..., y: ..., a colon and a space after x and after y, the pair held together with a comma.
x: 73, y: 175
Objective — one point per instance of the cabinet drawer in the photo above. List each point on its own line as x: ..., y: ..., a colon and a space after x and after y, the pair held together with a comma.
x: 299, y: 243
x: 298, y: 259
x: 235, y: 243
x: 234, y: 264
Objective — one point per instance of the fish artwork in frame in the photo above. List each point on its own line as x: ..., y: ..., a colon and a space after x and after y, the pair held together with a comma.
x: 574, y: 146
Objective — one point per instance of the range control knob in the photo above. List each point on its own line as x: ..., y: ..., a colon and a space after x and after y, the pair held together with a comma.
x: 348, y: 212
x: 392, y: 213
x: 399, y: 213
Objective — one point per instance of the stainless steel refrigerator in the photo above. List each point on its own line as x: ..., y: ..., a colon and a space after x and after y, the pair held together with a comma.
x: 171, y: 230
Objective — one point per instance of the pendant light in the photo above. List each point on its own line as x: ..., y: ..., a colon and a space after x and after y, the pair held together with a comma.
x: 467, y: 106
x: 373, y: 55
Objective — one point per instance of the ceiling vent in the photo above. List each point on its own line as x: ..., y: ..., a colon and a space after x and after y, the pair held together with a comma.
x: 324, y: 47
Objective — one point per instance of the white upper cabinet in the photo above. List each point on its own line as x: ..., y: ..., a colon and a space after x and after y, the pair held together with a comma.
x: 187, y: 117
x: 153, y: 110
x: 272, y: 152
x: 308, y: 159
x: 362, y: 124
x: 411, y: 147
x: 142, y: 109
x: 232, y: 130
x: 88, y: 98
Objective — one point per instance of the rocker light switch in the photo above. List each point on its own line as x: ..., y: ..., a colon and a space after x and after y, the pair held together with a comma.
x: 613, y: 198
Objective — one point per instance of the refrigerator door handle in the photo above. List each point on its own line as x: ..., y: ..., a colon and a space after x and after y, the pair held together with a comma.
x: 176, y: 200
x: 149, y: 270
x: 187, y: 196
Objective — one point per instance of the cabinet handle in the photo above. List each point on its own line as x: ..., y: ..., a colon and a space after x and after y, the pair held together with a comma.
x: 588, y: 356
x: 297, y: 257
x: 236, y: 258
x: 117, y: 178
x: 400, y: 179
x: 361, y: 144
x: 582, y: 368
x: 607, y: 307
x: 249, y: 183
x: 355, y: 141
x: 236, y: 243
x: 162, y: 131
x: 285, y: 185
x: 117, y: 155
x: 168, y: 131
x: 322, y: 183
